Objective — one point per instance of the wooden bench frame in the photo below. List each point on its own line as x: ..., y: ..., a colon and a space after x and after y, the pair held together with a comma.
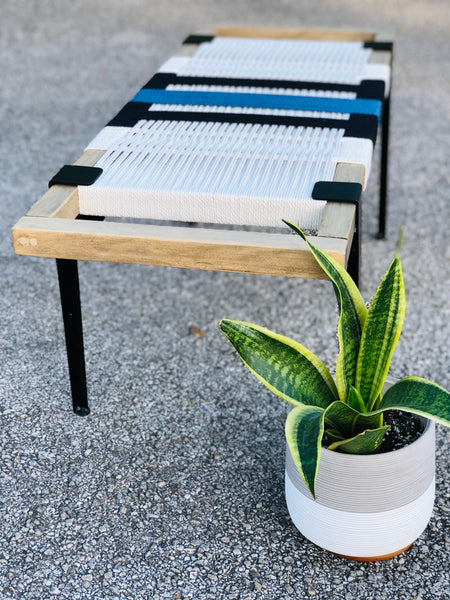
x: 54, y: 228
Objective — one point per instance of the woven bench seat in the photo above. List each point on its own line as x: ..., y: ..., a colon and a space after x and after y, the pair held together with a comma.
x: 243, y: 128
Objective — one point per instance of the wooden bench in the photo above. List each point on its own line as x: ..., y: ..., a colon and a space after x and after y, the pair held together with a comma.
x: 54, y: 227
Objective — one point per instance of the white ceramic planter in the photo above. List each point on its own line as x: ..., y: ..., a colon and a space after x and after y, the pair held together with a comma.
x: 368, y: 507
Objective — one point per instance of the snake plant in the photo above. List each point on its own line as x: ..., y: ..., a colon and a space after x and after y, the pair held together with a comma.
x: 350, y: 409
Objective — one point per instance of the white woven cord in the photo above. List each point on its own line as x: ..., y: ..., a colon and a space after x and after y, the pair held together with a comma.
x: 295, y: 60
x: 174, y: 64
x: 107, y: 137
x: 215, y: 172
x: 232, y: 173
x: 341, y: 62
x: 356, y: 151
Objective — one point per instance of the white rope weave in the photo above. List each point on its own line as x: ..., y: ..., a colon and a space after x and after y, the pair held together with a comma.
x: 294, y: 60
x: 107, y: 137
x: 215, y: 172
x: 241, y: 174
x: 278, y: 59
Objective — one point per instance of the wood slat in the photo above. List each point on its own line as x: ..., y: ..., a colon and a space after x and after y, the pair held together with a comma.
x: 59, y: 200
x: 193, y: 248
x: 382, y: 57
x: 297, y: 34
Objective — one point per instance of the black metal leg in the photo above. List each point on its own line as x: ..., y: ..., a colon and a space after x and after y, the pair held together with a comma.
x: 384, y: 168
x: 355, y: 250
x: 71, y: 308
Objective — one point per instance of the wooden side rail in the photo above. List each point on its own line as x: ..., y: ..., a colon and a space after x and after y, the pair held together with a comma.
x: 50, y: 229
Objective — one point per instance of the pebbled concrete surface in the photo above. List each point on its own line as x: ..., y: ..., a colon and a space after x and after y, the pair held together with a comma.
x: 173, y: 486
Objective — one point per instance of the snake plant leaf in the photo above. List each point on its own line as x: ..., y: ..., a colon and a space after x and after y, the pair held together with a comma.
x: 380, y: 335
x: 304, y: 431
x: 287, y: 368
x: 348, y: 421
x: 366, y: 442
x: 352, y: 316
x: 355, y: 400
x: 333, y: 434
x: 419, y: 396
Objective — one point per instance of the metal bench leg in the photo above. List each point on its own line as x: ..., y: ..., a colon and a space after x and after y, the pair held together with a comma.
x: 384, y: 168
x: 71, y: 308
x: 354, y: 256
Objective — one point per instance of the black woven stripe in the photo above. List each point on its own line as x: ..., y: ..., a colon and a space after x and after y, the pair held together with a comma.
x: 371, y: 89
x: 362, y: 126
x: 359, y: 126
x: 162, y: 80
x: 130, y: 114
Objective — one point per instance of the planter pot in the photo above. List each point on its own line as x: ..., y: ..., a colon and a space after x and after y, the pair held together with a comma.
x: 368, y: 507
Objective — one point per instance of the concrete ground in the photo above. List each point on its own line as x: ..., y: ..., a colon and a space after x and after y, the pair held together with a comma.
x: 173, y: 486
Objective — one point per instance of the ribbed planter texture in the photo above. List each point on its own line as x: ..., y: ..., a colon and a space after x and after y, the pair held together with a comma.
x: 368, y: 507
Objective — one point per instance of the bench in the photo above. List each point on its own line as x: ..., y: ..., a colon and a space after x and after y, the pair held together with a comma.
x: 107, y: 207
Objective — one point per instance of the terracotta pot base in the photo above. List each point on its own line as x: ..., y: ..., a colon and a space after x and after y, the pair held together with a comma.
x: 374, y: 558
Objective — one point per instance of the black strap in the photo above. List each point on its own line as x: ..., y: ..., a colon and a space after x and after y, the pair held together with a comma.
x: 368, y: 89
x: 198, y: 39
x: 337, y: 191
x: 76, y: 175
x: 379, y: 45
x: 372, y: 89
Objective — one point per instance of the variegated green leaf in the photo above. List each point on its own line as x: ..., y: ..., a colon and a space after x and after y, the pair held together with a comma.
x: 348, y: 421
x: 355, y: 400
x: 353, y: 314
x: 288, y: 369
x: 333, y: 434
x: 380, y: 334
x: 304, y: 430
x: 419, y: 396
x: 367, y: 442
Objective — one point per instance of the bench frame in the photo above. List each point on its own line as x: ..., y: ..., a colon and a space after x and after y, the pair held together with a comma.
x: 54, y: 228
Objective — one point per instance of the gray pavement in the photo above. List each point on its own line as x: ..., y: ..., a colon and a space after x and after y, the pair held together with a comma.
x: 173, y: 486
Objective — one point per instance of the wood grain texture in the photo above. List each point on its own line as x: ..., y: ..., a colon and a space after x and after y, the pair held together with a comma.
x: 297, y: 34
x: 58, y: 201
x: 185, y: 247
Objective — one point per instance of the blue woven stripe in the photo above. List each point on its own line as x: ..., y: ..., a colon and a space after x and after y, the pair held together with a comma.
x: 272, y: 101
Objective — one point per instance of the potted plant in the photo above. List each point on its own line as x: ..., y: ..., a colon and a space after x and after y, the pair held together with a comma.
x: 347, y: 490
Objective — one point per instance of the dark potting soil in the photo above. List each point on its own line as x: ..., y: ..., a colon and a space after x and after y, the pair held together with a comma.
x: 405, y: 428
